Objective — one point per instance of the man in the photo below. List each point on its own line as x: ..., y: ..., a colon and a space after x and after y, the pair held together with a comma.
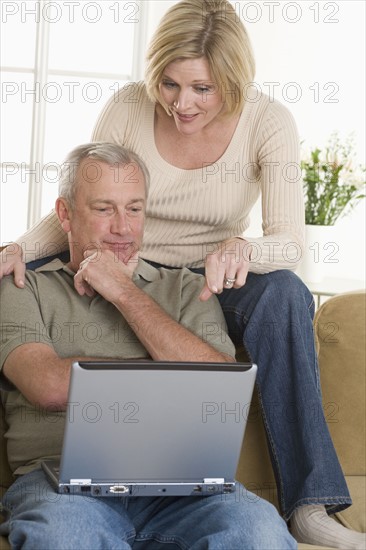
x: 106, y: 303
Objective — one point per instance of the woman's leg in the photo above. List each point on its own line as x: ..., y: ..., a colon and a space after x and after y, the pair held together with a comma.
x: 272, y: 315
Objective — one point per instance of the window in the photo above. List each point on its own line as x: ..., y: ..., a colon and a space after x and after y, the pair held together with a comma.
x: 61, y: 61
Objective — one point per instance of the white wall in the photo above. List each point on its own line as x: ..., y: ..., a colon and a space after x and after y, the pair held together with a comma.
x: 323, y: 53
x: 311, y: 56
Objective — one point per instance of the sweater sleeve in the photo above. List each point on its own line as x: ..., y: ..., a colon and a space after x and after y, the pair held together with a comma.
x: 44, y: 239
x: 283, y: 219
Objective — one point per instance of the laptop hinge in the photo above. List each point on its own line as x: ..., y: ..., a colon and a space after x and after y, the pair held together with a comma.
x: 80, y: 481
x: 214, y: 480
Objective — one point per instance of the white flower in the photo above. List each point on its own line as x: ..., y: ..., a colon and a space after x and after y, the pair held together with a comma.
x: 350, y: 175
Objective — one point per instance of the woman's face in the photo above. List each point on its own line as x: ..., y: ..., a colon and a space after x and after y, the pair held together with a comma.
x: 192, y: 96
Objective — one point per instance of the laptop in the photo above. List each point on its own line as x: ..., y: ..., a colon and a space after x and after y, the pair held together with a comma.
x: 153, y: 428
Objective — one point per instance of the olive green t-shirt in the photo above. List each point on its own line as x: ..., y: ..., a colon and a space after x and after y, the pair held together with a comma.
x: 49, y: 311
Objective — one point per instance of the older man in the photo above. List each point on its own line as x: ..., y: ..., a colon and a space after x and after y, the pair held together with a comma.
x: 138, y: 311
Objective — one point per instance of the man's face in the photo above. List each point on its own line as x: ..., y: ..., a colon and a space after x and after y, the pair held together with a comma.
x: 108, y: 212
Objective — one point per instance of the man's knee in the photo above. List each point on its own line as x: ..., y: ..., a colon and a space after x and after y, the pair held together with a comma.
x: 67, y: 521
x: 247, y: 521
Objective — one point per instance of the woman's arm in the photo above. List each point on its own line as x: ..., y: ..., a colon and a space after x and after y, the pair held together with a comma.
x: 276, y: 150
x: 45, y: 238
x: 283, y: 218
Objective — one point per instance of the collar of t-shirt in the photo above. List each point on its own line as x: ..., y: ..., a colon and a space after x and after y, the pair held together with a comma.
x: 143, y: 270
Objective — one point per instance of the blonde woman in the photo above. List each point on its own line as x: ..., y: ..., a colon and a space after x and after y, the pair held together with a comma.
x: 213, y: 144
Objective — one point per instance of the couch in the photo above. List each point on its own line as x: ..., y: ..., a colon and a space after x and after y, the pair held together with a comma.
x: 339, y: 328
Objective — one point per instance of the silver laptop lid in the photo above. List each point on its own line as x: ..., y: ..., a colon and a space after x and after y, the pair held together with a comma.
x: 155, y: 422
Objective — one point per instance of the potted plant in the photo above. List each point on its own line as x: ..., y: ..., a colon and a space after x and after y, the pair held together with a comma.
x: 333, y: 185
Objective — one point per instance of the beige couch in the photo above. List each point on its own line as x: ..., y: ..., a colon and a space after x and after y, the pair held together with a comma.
x: 340, y: 338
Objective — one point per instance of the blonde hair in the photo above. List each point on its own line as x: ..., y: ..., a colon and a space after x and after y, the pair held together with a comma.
x: 193, y: 29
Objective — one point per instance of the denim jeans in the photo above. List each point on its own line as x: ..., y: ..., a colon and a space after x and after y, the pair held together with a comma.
x: 39, y: 518
x: 272, y: 316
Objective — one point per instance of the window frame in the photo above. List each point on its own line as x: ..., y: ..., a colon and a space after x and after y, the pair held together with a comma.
x: 41, y: 73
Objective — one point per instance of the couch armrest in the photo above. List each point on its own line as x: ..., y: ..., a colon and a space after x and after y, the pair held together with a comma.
x: 340, y: 340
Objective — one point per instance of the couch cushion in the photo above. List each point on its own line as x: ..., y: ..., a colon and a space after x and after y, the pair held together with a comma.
x: 340, y: 339
x: 354, y: 517
x: 254, y: 469
x: 311, y: 547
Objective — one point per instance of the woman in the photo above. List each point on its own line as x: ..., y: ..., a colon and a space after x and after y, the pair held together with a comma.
x: 213, y: 144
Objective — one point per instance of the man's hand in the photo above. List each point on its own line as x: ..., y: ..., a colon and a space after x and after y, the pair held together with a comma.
x: 11, y: 261
x: 101, y: 271
x: 226, y: 268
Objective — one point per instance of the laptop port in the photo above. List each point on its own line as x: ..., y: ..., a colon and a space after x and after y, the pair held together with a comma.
x: 121, y: 489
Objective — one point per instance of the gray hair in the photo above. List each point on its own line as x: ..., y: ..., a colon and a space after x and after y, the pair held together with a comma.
x: 110, y: 153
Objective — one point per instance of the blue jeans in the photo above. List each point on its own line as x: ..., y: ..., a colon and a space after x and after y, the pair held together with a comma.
x: 272, y: 316
x: 41, y: 519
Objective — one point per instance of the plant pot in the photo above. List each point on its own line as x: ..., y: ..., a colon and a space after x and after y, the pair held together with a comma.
x: 321, y: 249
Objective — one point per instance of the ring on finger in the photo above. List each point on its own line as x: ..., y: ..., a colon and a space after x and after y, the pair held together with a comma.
x: 228, y: 281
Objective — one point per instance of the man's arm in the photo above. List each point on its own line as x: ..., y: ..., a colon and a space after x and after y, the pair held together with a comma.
x: 28, y: 359
x: 40, y: 374
x: 163, y: 337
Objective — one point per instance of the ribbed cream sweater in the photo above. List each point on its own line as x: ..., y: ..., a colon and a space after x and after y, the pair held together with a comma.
x: 190, y: 211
